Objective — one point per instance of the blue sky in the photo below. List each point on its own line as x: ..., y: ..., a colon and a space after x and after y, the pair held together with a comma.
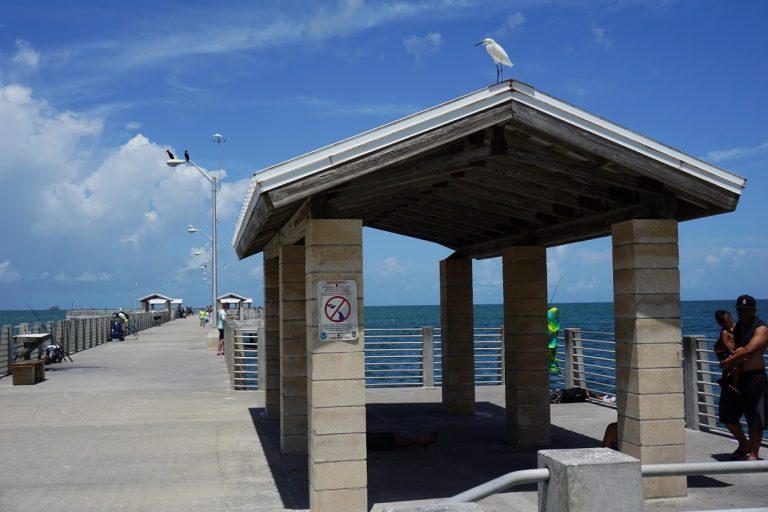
x: 92, y: 93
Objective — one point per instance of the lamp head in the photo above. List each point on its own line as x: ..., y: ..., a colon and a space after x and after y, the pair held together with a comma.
x: 173, y: 162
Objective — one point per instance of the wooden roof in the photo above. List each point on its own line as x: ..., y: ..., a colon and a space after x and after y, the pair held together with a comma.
x: 507, y: 165
x: 155, y: 296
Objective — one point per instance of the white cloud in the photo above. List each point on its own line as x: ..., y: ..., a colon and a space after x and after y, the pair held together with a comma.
x: 721, y: 155
x: 487, y: 274
x: 728, y: 256
x: 92, y: 277
x: 600, y: 37
x: 26, y: 55
x: 511, y: 24
x: 391, y: 267
x: 424, y: 45
x: 339, y: 109
x: 591, y: 255
x: 133, y: 125
x: 8, y: 274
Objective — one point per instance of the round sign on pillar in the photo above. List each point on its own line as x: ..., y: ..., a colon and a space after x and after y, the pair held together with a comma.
x: 337, y: 310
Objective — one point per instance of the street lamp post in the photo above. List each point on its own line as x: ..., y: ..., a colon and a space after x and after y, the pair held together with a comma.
x: 212, y: 180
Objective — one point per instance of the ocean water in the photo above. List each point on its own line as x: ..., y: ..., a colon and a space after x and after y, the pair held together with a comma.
x: 697, y: 317
x: 27, y: 316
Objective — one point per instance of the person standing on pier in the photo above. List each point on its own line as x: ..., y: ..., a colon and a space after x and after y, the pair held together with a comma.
x: 222, y: 316
x: 751, y: 335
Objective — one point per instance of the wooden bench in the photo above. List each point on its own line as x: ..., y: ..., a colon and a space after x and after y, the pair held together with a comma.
x: 26, y: 372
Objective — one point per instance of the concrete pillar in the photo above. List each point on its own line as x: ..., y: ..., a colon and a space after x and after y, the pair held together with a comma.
x: 526, y: 380
x: 271, y: 338
x: 293, y: 351
x: 649, y: 380
x: 590, y: 479
x: 457, y: 336
x: 338, y: 478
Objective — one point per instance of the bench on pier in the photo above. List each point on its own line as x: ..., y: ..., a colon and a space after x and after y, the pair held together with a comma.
x: 28, y: 371
x: 30, y: 342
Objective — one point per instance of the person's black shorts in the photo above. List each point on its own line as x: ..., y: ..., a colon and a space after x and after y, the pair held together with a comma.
x: 221, y: 334
x: 752, y: 402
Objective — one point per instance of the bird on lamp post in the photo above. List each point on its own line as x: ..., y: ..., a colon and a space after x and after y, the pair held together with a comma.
x: 186, y: 155
x: 170, y: 155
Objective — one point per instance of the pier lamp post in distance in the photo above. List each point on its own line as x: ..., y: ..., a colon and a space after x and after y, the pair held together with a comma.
x: 173, y: 162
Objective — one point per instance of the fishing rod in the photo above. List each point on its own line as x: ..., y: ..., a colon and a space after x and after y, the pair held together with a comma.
x: 552, y: 297
x: 52, y: 338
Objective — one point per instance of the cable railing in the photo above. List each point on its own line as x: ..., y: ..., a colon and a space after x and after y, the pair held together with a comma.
x: 241, y: 351
x: 412, y: 357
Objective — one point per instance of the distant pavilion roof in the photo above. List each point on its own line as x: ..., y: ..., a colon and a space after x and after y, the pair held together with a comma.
x: 506, y: 165
x: 155, y: 296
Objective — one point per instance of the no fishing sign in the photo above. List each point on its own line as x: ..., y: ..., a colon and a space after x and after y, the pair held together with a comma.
x: 337, y: 310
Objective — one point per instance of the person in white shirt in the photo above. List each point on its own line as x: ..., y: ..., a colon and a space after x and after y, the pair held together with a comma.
x: 222, y: 316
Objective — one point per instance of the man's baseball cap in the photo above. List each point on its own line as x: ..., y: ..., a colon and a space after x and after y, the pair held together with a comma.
x: 746, y: 302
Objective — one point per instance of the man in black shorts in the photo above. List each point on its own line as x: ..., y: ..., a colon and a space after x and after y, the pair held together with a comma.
x: 750, y: 338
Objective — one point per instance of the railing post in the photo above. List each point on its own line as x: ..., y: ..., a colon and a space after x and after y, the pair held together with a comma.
x: 568, y: 370
x: 6, y: 334
x: 502, y: 356
x: 577, y: 360
x: 261, y: 360
x: 705, y: 380
x: 427, y: 357
x: 690, y: 386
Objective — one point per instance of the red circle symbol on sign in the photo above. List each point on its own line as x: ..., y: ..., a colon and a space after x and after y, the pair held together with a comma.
x: 337, y: 309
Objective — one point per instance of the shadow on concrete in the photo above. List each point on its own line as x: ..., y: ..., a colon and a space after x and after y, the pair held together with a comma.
x: 701, y: 481
x: 289, y: 471
x: 471, y: 450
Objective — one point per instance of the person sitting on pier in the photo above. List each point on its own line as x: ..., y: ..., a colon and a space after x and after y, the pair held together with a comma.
x: 725, y: 347
x: 751, y: 335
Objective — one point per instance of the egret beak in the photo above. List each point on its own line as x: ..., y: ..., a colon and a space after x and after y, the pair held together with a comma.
x: 478, y: 44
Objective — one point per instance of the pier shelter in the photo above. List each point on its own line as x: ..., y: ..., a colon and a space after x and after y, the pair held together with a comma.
x: 155, y: 299
x: 505, y: 171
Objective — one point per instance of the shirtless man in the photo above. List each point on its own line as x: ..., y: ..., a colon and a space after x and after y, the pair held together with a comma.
x: 751, y: 338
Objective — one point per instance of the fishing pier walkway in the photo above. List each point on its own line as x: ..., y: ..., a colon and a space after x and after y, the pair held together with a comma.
x: 152, y: 425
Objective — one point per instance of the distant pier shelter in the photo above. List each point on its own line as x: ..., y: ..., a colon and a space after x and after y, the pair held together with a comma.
x: 156, y: 299
x: 505, y: 171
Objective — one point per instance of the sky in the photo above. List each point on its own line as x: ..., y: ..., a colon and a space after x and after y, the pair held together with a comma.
x: 93, y: 93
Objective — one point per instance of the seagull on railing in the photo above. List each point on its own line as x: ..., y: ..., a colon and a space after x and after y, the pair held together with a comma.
x: 497, y: 53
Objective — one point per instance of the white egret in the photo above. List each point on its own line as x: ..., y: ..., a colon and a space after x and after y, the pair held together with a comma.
x: 497, y: 53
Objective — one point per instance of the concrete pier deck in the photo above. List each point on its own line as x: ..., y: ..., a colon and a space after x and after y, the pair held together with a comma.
x: 151, y: 425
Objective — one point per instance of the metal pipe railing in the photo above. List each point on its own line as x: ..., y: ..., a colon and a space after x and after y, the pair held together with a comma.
x: 540, y: 475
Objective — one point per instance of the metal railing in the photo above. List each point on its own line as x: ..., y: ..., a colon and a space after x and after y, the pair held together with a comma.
x: 412, y: 357
x: 73, y: 334
x: 541, y: 475
x: 243, y: 343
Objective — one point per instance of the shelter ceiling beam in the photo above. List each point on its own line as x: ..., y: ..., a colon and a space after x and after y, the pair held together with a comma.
x: 526, y: 189
x: 407, y: 228
x: 451, y: 222
x: 493, y: 220
x: 494, y: 208
x: 588, y: 227
x: 538, y: 211
x: 292, y: 231
x: 616, y: 153
x: 396, y: 153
